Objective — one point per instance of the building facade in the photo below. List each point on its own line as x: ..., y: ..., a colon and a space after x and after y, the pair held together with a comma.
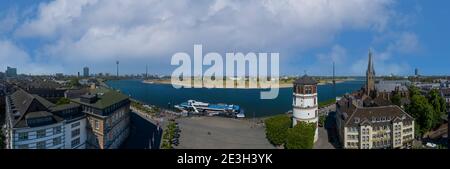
x: 11, y: 72
x: 99, y: 119
x: 35, y: 123
x: 107, y: 117
x: 86, y: 72
x: 379, y: 127
x: 305, y: 103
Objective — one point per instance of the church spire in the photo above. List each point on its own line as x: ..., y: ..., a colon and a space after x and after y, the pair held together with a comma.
x: 370, y: 69
x: 370, y: 76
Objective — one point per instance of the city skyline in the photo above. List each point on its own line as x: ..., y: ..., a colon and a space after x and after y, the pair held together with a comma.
x: 47, y: 37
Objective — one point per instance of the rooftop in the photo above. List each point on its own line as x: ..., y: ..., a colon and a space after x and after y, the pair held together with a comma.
x: 357, y: 115
x: 28, y: 106
x: 106, y: 98
x: 390, y: 87
x: 38, y: 114
x: 306, y: 80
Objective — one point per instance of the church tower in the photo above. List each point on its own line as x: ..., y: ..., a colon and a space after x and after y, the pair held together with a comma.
x: 370, y: 76
x: 305, y: 103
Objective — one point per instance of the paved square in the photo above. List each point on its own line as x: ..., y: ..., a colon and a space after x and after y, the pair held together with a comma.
x: 221, y: 133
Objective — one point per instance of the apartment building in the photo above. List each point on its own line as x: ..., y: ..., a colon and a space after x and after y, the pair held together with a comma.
x: 33, y: 122
x: 380, y: 127
x: 107, y: 116
x: 98, y: 119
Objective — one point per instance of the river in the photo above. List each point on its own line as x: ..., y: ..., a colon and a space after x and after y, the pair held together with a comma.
x: 164, y: 95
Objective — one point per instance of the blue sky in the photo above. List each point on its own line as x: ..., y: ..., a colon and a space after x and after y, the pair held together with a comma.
x: 45, y: 37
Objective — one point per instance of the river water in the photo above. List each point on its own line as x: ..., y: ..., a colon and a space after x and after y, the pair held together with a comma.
x: 164, y: 95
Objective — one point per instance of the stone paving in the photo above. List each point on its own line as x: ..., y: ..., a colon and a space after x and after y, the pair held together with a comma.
x: 221, y: 133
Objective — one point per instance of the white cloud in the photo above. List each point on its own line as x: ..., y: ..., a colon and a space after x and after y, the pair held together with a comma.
x: 13, y: 56
x: 53, y: 18
x: 400, y: 42
x: 407, y: 43
x: 337, y: 54
x: 96, y: 30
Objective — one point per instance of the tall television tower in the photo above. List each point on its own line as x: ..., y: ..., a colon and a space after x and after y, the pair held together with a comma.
x: 334, y: 80
x: 117, y: 63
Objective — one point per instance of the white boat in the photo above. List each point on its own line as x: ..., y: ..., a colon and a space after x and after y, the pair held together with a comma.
x: 197, y: 107
x: 197, y: 103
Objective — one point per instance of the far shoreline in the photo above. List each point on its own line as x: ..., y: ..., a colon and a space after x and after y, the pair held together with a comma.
x: 282, y: 85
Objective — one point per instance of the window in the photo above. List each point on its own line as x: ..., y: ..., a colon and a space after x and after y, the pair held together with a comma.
x: 57, y: 130
x: 56, y: 141
x: 40, y: 133
x: 308, y: 90
x: 75, y: 133
x: 23, y: 136
x: 40, y: 145
x: 75, y: 142
x: 96, y: 124
x: 75, y: 124
x: 23, y: 146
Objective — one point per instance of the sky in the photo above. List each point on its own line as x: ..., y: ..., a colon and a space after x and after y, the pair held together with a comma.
x: 63, y: 36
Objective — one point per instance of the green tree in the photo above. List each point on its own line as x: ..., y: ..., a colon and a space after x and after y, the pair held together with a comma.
x: 62, y: 101
x: 276, y: 129
x: 438, y: 103
x: 301, y: 136
x: 413, y: 90
x: 423, y: 112
x: 396, y: 99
